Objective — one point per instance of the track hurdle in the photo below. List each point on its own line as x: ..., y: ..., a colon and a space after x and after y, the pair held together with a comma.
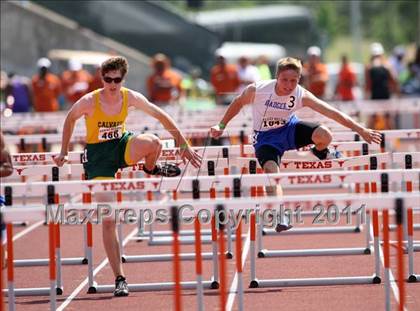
x: 387, y: 269
x: 399, y: 207
x: 166, y: 257
x: 262, y: 253
x: 238, y: 250
x: 54, y: 197
x: 176, y: 285
x: 74, y: 157
x: 13, y: 292
x: 255, y: 282
x: 52, y: 261
x: 412, y: 277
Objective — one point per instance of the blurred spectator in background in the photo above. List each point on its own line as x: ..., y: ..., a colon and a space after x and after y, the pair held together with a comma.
x: 164, y: 84
x: 379, y: 80
x: 18, y: 94
x: 75, y: 81
x: 247, y: 73
x: 194, y: 86
x: 315, y: 73
x: 382, y: 122
x: 346, y: 81
x: 397, y: 63
x: 96, y: 81
x: 263, y: 68
x: 46, y: 88
x: 225, y: 80
x: 3, y: 84
x: 380, y: 83
x: 411, y: 85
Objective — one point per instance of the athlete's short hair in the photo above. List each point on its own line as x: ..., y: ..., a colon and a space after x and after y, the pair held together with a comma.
x: 115, y: 63
x: 288, y: 63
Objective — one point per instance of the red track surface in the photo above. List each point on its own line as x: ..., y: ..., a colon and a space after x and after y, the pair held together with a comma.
x: 350, y: 297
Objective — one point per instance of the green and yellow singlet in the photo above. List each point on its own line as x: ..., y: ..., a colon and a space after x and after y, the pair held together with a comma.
x: 101, y: 127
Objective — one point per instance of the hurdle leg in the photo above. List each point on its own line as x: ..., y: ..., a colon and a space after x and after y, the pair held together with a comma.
x: 368, y: 233
x: 120, y: 241
x: 10, y: 268
x: 91, y: 282
x: 223, y: 271
x: 150, y: 233
x: 358, y: 222
x: 198, y: 265
x: 386, y: 260
x: 405, y: 227
x: 58, y: 257
x: 259, y: 239
x: 85, y: 234
x: 410, y: 248
x: 176, y: 259
x: 229, y: 253
x: 53, y: 278
x: 149, y: 196
x: 239, y: 266
x: 87, y: 198
x: 140, y: 228
x: 254, y: 281
x: 376, y: 245
x: 140, y: 232
x: 215, y: 279
x: 399, y: 211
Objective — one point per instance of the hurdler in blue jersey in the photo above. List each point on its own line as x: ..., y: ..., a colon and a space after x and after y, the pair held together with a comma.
x: 276, y: 127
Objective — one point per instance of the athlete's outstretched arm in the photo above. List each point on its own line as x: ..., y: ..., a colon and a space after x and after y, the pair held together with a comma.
x: 245, y: 98
x: 311, y: 101
x: 139, y: 101
x: 80, y: 108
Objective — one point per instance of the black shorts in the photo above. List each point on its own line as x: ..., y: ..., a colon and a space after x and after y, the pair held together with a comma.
x: 303, y: 137
x: 303, y: 133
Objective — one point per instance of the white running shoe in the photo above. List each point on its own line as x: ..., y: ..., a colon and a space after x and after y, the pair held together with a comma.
x: 283, y: 223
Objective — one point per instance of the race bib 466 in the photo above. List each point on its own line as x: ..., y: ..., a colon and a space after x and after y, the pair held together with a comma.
x: 108, y: 133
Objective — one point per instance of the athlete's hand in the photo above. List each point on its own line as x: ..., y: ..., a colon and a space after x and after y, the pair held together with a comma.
x: 216, y: 131
x: 187, y: 153
x: 371, y: 136
x: 60, y: 159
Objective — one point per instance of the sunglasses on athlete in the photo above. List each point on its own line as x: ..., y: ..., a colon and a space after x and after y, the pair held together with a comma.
x: 116, y: 80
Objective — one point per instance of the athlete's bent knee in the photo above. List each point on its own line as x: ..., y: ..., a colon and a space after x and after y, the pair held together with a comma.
x: 322, y: 135
x: 271, y: 166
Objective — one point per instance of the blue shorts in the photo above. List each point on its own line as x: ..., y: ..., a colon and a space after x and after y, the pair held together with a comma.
x: 282, y: 139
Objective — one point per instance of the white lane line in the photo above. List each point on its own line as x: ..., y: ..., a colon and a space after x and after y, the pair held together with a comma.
x: 27, y: 230
x: 85, y: 282
x: 233, y: 287
x: 392, y: 280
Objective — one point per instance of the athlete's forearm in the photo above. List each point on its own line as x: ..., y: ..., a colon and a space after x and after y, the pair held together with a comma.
x: 347, y: 121
x: 67, y: 132
x: 169, y: 124
x: 231, y: 112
